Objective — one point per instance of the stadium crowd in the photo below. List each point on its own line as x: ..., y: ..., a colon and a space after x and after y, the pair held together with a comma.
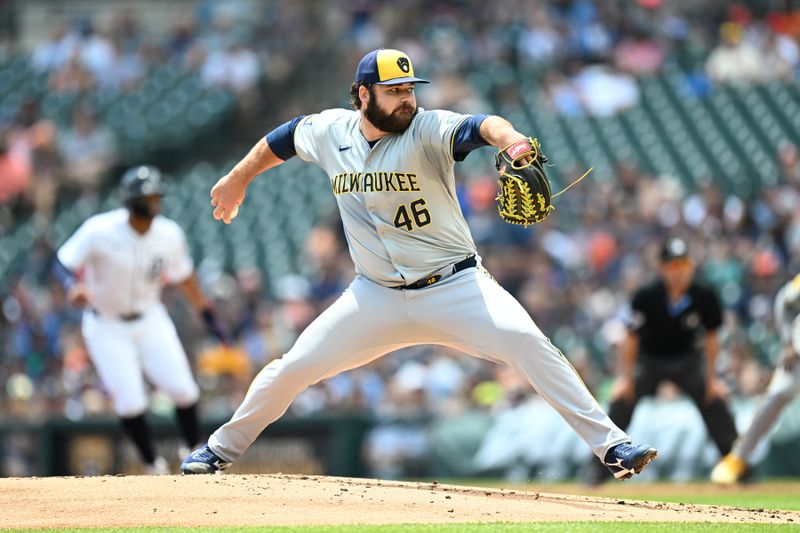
x: 435, y: 411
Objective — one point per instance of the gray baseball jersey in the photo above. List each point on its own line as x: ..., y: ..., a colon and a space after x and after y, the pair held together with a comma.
x: 785, y: 383
x: 397, y: 199
x: 787, y: 308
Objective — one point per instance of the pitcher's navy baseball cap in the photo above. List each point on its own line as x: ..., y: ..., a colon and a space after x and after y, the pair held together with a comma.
x: 386, y: 67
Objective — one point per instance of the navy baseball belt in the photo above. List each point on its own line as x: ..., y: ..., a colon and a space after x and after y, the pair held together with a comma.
x: 464, y: 264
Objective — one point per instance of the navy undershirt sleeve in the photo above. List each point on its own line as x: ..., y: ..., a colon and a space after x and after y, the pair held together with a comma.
x: 65, y: 277
x: 281, y: 139
x: 467, y: 137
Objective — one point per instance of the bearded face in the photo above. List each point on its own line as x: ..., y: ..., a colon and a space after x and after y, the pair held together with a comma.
x: 391, y: 109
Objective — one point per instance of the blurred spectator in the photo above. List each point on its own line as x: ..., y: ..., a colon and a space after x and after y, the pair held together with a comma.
x: 88, y: 150
x: 47, y: 168
x: 231, y: 65
x: 789, y: 163
x: 97, y: 54
x: 127, y: 69
x: 183, y: 36
x: 604, y: 91
x: 450, y: 92
x: 589, y: 37
x: 542, y: 41
x: 330, y: 265
x: 126, y: 31
x: 55, y: 52
x: 734, y: 59
x: 72, y: 77
x: 639, y: 54
x: 34, y: 138
x: 15, y: 169
x: 562, y: 95
x: 234, y: 67
x: 296, y: 309
x: 781, y: 56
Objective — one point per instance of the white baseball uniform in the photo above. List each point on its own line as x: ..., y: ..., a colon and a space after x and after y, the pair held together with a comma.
x: 127, y: 329
x: 403, y: 224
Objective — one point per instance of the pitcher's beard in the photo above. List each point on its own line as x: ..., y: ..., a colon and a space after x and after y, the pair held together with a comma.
x: 395, y: 122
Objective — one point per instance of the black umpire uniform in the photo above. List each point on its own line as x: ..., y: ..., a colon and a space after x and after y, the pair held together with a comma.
x: 669, y: 316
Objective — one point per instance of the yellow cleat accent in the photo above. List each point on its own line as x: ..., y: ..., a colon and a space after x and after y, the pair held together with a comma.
x: 729, y: 470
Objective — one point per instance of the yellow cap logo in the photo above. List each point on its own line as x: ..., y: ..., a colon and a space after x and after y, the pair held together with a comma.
x: 404, y: 64
x: 393, y: 64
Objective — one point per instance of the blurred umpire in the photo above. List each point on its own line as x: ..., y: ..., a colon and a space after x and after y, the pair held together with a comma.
x: 114, y: 267
x: 669, y: 316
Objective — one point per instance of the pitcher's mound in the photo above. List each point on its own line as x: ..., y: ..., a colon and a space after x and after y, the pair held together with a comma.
x: 236, y: 500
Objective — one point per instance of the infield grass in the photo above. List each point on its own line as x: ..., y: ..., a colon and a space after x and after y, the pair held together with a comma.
x: 787, y: 502
x: 773, y: 494
x: 549, y: 527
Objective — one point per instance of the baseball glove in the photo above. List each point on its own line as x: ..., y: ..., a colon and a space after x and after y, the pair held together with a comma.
x: 524, y: 195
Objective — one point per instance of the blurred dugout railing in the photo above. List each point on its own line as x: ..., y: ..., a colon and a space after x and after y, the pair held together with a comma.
x: 57, y: 447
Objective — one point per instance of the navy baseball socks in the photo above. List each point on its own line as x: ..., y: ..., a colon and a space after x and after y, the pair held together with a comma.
x: 203, y: 461
x: 624, y: 460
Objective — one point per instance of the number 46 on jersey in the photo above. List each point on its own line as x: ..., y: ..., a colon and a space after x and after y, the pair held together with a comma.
x: 411, y: 215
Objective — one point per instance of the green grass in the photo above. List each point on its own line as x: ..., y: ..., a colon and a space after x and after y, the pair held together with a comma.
x: 779, y: 494
x: 549, y: 527
x: 786, y: 502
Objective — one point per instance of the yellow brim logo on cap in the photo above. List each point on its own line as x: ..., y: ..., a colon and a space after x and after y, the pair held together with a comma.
x: 393, y: 64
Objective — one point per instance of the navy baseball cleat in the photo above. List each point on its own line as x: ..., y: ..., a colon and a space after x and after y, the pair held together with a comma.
x: 203, y: 461
x: 624, y: 460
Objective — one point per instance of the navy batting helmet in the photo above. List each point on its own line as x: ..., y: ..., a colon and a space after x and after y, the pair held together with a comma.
x: 142, y: 180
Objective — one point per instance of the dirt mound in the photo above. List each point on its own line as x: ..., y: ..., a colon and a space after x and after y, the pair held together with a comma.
x: 232, y: 500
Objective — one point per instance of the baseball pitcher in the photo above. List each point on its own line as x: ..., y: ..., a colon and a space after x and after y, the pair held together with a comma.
x: 419, y: 277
